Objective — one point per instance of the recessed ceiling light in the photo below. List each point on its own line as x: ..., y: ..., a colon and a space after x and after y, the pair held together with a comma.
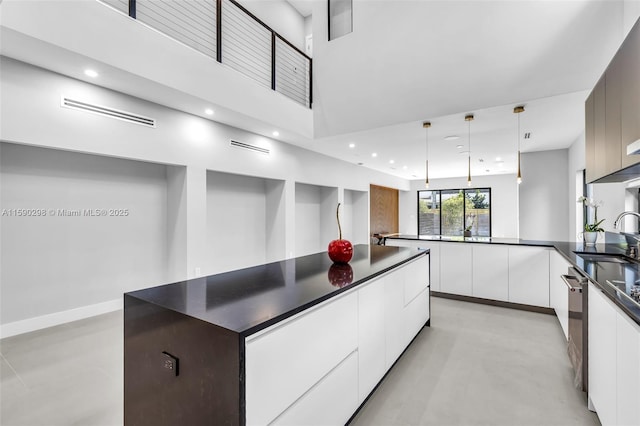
x: 208, y: 111
x: 459, y: 146
x: 451, y: 138
x: 463, y: 152
x: 374, y: 154
x: 404, y: 167
x: 276, y: 133
x: 391, y: 161
x: 498, y: 159
x: 90, y: 73
x: 352, y: 145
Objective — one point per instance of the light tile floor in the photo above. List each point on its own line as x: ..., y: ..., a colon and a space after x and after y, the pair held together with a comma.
x: 476, y: 365
x: 481, y: 365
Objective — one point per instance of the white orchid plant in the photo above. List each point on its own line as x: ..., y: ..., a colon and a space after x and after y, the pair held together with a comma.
x: 595, y: 226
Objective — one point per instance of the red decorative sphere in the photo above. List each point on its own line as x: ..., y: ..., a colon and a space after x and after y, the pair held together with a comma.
x: 340, y: 274
x: 340, y: 251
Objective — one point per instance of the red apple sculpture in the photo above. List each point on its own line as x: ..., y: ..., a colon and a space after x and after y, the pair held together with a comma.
x: 340, y: 251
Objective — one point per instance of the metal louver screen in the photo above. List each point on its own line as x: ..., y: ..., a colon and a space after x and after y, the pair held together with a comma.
x: 292, y: 73
x: 246, y: 44
x: 192, y: 22
x: 120, y: 5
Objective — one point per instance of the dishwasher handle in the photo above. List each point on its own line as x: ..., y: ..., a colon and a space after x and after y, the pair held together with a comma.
x: 569, y: 280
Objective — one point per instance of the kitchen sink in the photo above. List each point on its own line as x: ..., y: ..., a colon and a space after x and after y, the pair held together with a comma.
x: 603, y: 257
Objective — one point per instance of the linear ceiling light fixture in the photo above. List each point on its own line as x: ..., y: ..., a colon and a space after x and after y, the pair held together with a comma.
x: 517, y: 110
x: 469, y: 118
x: 426, y: 125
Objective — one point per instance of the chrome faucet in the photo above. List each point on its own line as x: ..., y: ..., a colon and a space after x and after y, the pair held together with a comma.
x: 616, y: 224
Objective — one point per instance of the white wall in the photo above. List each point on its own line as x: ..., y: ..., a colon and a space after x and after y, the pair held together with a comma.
x: 59, y: 263
x: 612, y: 196
x: 281, y: 17
x: 504, y: 202
x: 544, y: 191
x: 576, y: 164
x: 355, y: 217
x: 631, y: 13
x: 241, y: 217
x: 316, y: 223
x: 184, y: 147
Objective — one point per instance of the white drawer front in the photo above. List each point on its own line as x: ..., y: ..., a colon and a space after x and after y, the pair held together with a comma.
x: 331, y: 401
x: 416, y: 278
x: 282, y: 364
x: 416, y: 315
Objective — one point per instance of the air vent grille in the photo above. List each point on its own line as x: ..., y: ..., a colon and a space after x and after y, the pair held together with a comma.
x: 527, y: 135
x: 250, y: 147
x: 108, y: 112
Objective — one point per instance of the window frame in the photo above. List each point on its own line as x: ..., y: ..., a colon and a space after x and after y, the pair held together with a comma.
x: 464, y: 207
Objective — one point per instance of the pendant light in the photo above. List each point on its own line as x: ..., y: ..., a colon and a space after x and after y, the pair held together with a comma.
x: 469, y: 118
x: 426, y: 125
x: 518, y: 110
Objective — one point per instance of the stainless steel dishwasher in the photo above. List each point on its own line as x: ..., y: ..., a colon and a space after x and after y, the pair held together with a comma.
x: 578, y: 326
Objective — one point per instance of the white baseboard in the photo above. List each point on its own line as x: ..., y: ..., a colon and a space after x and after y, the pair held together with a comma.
x: 57, y: 318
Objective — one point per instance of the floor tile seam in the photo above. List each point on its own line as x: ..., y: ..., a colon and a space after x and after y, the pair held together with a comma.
x: 14, y: 372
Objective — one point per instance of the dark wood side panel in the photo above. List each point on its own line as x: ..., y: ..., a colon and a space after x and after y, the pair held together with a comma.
x: 206, y: 390
x: 630, y: 52
x: 383, y: 213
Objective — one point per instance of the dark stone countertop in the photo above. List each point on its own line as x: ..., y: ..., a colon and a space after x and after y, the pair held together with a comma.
x: 248, y: 300
x: 625, y: 274
x: 476, y: 239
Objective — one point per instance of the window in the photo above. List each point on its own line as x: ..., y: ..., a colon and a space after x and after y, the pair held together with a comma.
x: 450, y: 212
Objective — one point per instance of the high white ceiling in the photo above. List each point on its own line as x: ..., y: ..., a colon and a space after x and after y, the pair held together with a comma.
x: 553, y: 123
x: 410, y: 61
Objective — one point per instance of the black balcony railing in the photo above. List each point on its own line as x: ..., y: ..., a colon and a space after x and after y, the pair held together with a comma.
x: 226, y: 31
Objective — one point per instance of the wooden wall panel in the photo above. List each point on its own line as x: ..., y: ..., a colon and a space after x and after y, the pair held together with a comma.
x: 383, y: 213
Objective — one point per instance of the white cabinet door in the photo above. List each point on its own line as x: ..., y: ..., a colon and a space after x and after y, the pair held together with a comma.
x: 529, y: 275
x: 296, y: 355
x: 393, y: 307
x: 330, y: 402
x: 602, y: 356
x: 371, y: 336
x: 628, y: 371
x: 558, y: 292
x: 491, y: 271
x: 456, y: 268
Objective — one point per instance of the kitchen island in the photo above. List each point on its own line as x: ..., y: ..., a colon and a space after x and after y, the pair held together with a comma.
x: 274, y: 343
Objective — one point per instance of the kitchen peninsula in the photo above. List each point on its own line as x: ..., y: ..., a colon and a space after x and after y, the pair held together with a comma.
x: 527, y: 275
x: 273, y: 343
